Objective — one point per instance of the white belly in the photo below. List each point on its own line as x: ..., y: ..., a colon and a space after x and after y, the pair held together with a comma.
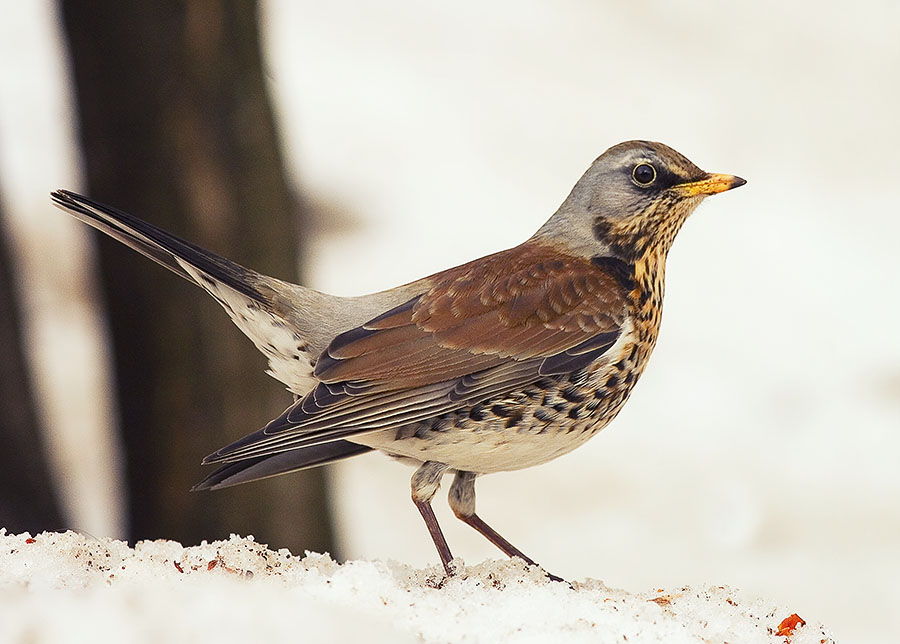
x: 482, y: 451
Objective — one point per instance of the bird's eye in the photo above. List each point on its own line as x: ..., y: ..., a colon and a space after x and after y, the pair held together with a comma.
x: 643, y: 174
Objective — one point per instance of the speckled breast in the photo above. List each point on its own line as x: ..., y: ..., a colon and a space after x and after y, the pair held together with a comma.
x: 547, y: 419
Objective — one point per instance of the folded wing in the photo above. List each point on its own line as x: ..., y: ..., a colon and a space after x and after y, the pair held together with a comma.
x: 480, y: 331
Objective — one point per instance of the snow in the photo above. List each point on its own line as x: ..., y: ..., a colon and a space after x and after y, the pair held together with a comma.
x: 73, y: 587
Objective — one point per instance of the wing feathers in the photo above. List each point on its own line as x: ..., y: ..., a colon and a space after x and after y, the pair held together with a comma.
x: 480, y: 331
x: 263, y: 467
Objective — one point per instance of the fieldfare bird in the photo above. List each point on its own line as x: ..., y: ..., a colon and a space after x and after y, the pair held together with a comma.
x: 502, y: 363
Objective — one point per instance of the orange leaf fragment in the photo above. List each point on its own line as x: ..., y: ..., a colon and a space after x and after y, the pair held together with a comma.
x: 789, y: 624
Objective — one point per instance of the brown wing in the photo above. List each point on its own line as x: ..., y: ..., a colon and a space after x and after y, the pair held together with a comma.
x: 481, y: 330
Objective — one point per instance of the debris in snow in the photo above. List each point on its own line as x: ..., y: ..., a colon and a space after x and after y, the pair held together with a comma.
x: 788, y: 625
x: 73, y: 587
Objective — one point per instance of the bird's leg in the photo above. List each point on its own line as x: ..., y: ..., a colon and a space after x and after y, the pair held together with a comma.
x: 462, y: 502
x: 425, y: 483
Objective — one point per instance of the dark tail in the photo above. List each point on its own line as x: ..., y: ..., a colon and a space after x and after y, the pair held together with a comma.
x: 155, y: 243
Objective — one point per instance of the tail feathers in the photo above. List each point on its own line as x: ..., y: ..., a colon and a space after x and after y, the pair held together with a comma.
x: 261, y: 467
x: 160, y: 246
x: 251, y: 300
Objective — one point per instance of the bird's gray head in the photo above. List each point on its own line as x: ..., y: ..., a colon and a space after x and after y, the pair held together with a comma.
x: 633, y: 198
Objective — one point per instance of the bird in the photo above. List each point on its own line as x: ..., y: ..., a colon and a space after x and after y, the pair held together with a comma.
x: 499, y: 364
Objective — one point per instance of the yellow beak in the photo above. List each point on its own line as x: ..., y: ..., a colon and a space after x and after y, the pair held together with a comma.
x: 711, y: 184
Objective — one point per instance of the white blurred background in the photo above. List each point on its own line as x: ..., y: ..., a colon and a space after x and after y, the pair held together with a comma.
x: 762, y: 448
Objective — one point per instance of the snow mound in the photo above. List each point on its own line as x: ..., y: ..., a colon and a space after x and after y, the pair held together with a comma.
x: 73, y: 587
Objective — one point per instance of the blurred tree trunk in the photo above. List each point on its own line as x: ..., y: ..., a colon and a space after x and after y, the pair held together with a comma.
x: 27, y: 498
x: 176, y: 127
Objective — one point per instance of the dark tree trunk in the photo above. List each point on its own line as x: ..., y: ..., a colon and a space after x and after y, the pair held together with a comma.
x: 27, y: 499
x: 176, y: 127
